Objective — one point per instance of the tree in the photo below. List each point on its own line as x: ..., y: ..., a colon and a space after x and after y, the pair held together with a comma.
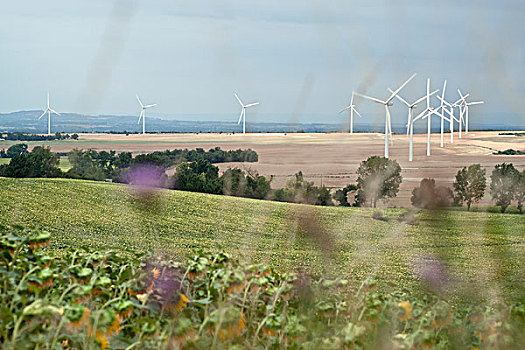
x: 40, y: 162
x: 520, y: 190
x: 324, y: 197
x: 14, y: 150
x: 502, y: 186
x: 428, y: 196
x: 470, y: 184
x: 342, y: 195
x: 199, y: 176
x: 378, y: 178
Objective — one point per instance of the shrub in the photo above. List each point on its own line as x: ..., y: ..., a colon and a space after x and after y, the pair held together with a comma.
x: 470, y: 185
x: 503, y: 184
x: 428, y: 196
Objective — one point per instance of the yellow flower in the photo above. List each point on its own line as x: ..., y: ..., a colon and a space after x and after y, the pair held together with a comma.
x: 156, y: 273
x: 405, y: 305
x: 102, y: 339
x: 182, y: 303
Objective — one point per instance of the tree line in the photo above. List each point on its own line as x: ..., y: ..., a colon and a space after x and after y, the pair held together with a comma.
x: 22, y: 136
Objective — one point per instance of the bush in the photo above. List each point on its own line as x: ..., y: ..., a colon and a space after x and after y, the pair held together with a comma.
x: 428, y: 196
x: 40, y: 162
x: 342, y: 195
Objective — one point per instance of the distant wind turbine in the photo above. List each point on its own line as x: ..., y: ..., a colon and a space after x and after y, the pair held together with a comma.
x: 387, y: 103
x: 352, y: 109
x: 410, y: 122
x: 143, y: 114
x: 466, y: 106
x: 48, y: 110
x: 243, y: 113
x: 450, y: 112
x: 427, y: 113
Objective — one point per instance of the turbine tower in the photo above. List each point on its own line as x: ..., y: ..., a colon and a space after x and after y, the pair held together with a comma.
x: 352, y: 109
x: 410, y: 122
x: 427, y: 113
x: 143, y: 114
x: 450, y: 112
x: 466, y: 106
x: 48, y: 110
x: 243, y: 112
x: 387, y: 103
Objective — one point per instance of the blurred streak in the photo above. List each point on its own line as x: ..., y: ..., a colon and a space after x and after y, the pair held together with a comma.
x: 302, y: 99
x: 105, y: 61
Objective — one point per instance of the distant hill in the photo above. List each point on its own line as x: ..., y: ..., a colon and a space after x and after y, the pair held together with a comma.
x: 27, y: 121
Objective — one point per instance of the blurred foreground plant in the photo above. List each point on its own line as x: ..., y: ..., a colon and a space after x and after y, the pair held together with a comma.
x: 105, y: 299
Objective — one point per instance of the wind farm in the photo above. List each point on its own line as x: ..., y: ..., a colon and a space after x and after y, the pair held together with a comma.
x: 363, y: 188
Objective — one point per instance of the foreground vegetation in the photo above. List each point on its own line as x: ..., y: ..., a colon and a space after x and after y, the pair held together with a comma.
x: 478, y: 255
x: 99, y: 300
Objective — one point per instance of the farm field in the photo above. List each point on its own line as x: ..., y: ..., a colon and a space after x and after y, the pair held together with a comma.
x: 327, y: 158
x: 477, y: 254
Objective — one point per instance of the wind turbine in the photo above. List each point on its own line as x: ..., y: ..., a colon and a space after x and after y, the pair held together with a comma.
x: 243, y: 113
x: 466, y: 106
x: 410, y: 123
x: 450, y: 112
x: 387, y: 103
x: 143, y: 114
x: 427, y: 113
x: 48, y: 110
x: 352, y: 109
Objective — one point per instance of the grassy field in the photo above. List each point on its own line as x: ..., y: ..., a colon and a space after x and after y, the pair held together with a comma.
x: 479, y: 253
x: 65, y: 165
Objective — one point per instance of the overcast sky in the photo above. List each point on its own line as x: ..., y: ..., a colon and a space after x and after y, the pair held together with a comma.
x: 299, y: 58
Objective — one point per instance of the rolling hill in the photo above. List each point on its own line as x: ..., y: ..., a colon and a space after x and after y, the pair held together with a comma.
x: 477, y: 251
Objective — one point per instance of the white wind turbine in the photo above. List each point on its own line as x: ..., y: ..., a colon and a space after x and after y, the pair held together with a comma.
x: 452, y: 117
x: 387, y: 103
x: 143, y: 114
x: 410, y: 123
x: 427, y: 113
x: 352, y: 109
x: 466, y: 106
x: 48, y: 110
x: 243, y: 113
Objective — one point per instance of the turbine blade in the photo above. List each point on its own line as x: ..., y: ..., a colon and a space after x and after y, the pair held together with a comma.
x: 140, y: 116
x: 475, y: 103
x: 352, y: 99
x: 140, y: 102
x: 48, y: 99
x: 240, y: 117
x: 356, y: 112
x: 400, y: 98
x: 251, y: 105
x: 400, y: 88
x: 52, y: 110
x: 370, y: 98
x: 345, y: 109
x: 151, y: 105
x: 43, y: 114
x: 238, y: 99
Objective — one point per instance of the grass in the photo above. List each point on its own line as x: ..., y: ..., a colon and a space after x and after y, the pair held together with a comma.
x: 479, y: 254
x: 4, y: 161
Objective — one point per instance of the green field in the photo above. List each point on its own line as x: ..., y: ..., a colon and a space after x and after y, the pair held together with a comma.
x: 479, y: 253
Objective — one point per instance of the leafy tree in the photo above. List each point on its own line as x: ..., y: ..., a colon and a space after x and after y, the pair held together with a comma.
x: 3, y: 154
x: 74, y: 137
x: 470, y: 184
x: 40, y: 162
x: 199, y: 176
x: 342, y: 195
x: 14, y: 150
x: 502, y: 186
x: 378, y: 178
x: 428, y: 196
x: 234, y: 183
x: 520, y: 190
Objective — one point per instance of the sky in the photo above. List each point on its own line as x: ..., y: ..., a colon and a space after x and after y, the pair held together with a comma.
x: 300, y: 59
